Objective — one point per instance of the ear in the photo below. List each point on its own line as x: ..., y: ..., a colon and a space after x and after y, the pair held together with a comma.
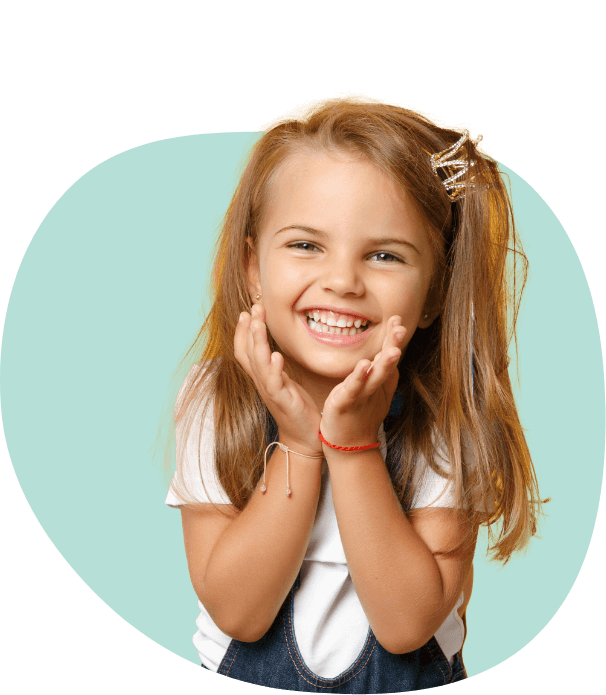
x: 431, y: 310
x: 251, y: 266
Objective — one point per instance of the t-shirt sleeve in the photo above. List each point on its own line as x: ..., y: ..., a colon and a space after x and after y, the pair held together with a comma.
x: 431, y: 489
x: 194, y: 468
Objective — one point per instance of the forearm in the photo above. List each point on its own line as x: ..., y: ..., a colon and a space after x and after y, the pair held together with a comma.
x: 396, y: 576
x: 256, y: 560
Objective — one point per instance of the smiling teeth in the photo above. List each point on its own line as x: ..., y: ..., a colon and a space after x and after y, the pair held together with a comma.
x: 330, y: 318
x: 339, y: 330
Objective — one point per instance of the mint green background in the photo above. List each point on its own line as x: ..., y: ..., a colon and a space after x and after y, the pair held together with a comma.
x: 113, y: 288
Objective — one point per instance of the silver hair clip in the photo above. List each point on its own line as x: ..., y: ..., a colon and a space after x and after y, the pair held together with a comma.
x: 454, y: 168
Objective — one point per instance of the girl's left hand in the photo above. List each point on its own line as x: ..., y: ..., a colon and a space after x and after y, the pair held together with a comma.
x: 355, y: 409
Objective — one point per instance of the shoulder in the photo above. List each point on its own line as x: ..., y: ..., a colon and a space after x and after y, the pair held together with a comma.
x: 196, y: 474
x: 194, y: 371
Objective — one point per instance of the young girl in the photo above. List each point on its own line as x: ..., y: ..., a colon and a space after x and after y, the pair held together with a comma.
x: 340, y: 441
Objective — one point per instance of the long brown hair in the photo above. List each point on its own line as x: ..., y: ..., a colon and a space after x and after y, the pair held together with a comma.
x: 454, y: 379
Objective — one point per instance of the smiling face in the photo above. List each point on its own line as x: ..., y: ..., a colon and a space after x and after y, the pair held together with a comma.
x: 338, y: 240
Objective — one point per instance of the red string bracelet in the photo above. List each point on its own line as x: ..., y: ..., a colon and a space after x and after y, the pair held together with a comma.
x: 349, y: 448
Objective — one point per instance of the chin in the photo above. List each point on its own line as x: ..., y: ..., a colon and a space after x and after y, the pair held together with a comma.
x: 293, y: 367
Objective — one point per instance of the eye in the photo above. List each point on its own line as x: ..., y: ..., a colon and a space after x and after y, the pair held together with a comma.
x: 301, y: 243
x: 381, y: 253
x: 384, y: 253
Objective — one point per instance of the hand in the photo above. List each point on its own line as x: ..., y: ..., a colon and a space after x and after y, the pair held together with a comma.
x: 293, y: 409
x: 355, y: 409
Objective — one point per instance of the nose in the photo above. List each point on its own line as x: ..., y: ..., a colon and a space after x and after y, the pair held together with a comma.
x: 343, y: 277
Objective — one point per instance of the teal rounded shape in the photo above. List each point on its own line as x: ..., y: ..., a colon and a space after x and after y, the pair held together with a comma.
x: 113, y: 288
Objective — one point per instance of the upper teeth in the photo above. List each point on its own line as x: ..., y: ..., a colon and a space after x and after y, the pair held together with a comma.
x: 332, y: 319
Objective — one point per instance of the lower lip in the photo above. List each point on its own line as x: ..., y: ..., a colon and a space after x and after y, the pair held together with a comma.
x: 335, y: 339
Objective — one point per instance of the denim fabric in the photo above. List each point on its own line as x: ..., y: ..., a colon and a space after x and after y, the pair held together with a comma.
x: 275, y: 661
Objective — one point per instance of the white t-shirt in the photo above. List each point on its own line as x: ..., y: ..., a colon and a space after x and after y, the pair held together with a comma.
x: 329, y: 623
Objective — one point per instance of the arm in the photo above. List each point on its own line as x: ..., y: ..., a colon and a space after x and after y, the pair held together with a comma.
x: 406, y: 590
x: 242, y: 565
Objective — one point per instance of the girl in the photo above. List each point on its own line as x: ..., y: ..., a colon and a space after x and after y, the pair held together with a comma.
x: 340, y: 441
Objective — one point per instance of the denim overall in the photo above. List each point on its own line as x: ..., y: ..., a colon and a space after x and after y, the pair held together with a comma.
x: 274, y: 661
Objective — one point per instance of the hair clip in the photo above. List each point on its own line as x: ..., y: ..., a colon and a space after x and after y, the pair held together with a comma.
x: 454, y: 168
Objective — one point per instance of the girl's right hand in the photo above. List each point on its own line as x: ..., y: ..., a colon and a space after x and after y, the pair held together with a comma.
x: 293, y: 409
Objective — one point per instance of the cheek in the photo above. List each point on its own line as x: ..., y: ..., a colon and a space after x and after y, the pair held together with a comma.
x: 409, y: 299
x: 276, y: 274
x: 284, y: 284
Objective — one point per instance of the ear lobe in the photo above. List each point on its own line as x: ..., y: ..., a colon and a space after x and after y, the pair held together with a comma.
x: 427, y: 318
x: 432, y: 308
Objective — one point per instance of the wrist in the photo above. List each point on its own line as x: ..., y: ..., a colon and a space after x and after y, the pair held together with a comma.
x: 337, y: 457
x: 348, y: 457
x: 297, y: 447
x: 350, y: 447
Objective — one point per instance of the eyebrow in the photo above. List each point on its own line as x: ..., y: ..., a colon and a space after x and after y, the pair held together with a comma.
x: 381, y: 241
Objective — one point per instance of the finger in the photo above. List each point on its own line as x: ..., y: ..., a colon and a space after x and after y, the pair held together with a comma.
x: 384, y: 365
x: 267, y: 374
x: 240, y: 342
x: 390, y: 357
x: 393, y: 339
x: 394, y: 323
x: 398, y: 334
x: 259, y: 354
x: 372, y: 364
x: 276, y: 363
x: 392, y: 351
x: 260, y: 347
x: 386, y: 336
x: 390, y: 325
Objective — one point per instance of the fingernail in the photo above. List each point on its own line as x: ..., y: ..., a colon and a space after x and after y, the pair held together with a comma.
x: 241, y: 317
x: 399, y: 335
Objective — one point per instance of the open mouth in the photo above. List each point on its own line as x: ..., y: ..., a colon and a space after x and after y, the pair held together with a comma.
x: 342, y: 325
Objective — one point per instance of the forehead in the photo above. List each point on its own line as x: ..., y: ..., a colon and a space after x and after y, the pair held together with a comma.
x: 340, y: 193
x: 328, y: 175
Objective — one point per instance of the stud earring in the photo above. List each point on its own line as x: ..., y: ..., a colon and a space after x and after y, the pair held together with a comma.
x: 425, y: 316
x: 257, y: 297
